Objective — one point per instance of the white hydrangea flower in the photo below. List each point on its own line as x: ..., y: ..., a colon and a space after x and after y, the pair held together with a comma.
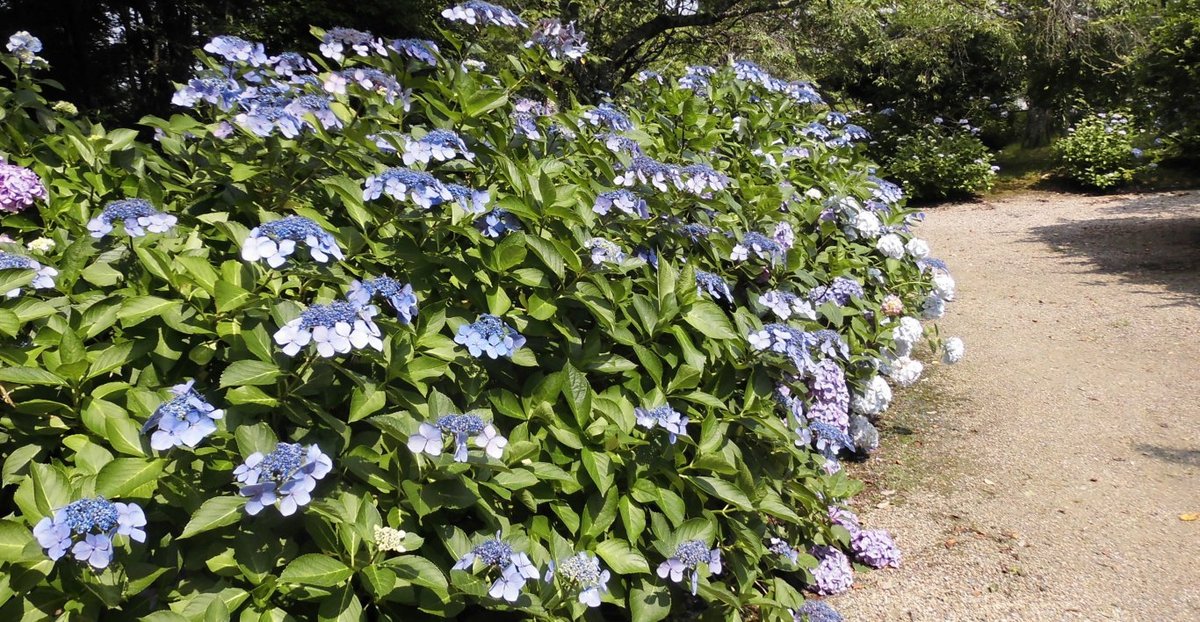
x: 952, y: 350
x: 891, y: 246
x: 814, y: 194
x: 943, y: 285
x: 867, y: 224
x: 917, y: 248
x: 874, y: 399
x: 41, y: 245
x: 907, y: 334
x: 905, y: 371
x: 388, y: 539
x: 933, y: 308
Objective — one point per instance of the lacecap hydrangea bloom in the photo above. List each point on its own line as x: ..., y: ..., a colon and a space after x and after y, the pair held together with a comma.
x: 371, y: 81
x: 337, y: 42
x: 875, y: 548
x: 497, y: 222
x: 515, y: 568
x: 687, y: 558
x: 477, y: 12
x: 783, y: 549
x: 285, y: 477
x: 647, y: 170
x: 713, y: 285
x: 791, y: 342
x: 275, y: 241
x: 43, y: 275
x: 420, y: 50
x: 335, y: 328
x: 491, y: 336
x: 440, y: 145
x: 624, y: 201
x: 606, y: 115
x: 758, y: 245
x: 559, y: 39
x: 182, y: 420
x: 137, y: 216
x: 471, y: 200
x: 663, y: 416
x: 430, y: 438
x: 786, y: 304
x: 400, y: 296
x: 421, y: 188
x: 833, y: 574
x: 701, y: 179
x: 237, y: 50
x: 829, y: 396
x: 87, y: 527
x: 840, y: 292
x: 19, y: 188
x: 581, y: 572
x: 605, y: 252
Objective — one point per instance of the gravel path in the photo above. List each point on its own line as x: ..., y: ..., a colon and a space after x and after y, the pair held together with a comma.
x: 1044, y: 477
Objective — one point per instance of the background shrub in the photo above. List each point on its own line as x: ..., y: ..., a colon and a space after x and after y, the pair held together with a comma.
x: 1101, y: 151
x: 938, y: 160
x: 573, y: 371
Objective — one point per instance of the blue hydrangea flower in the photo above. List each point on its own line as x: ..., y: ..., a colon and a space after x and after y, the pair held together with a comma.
x: 816, y: 611
x: 137, y: 215
x: 316, y: 105
x: 647, y: 255
x: 491, y: 336
x: 430, y: 438
x: 370, y: 80
x: 839, y: 291
x: 23, y: 44
x: 786, y: 304
x: 559, y: 39
x: 759, y: 245
x: 263, y: 115
x: 694, y: 231
x: 688, y: 557
x: 515, y: 568
x: 834, y: 117
x: 714, y: 285
x: 797, y: 152
x: 291, y: 64
x: 668, y: 418
x: 335, y: 328
x: 793, y: 343
x: 816, y: 130
x: 581, y: 572
x: 750, y: 72
x: 625, y: 201
x: 829, y: 395
x: 696, y: 77
x: 830, y: 344
x: 829, y: 439
x: 219, y: 91
x: 784, y: 235
x: 853, y: 132
x: 647, y: 75
x: 87, y: 527
x: 401, y: 183
x: 440, y: 145
x: 525, y: 114
x: 622, y: 144
x: 420, y: 50
x: 803, y: 92
x: 701, y: 179
x: 276, y: 240
x: 237, y: 50
x: 782, y: 548
x: 647, y: 170
x: 608, y: 116
x: 43, y: 277
x: 497, y: 222
x: 337, y: 42
x: 400, y: 297
x: 284, y: 478
x: 604, y: 252
x: 484, y: 14
x: 185, y: 419
x: 885, y: 191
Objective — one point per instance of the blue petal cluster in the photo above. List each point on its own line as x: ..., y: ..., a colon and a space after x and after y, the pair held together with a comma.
x: 497, y: 222
x: 399, y: 296
x: 829, y: 395
x: 605, y: 252
x: 185, y: 419
x: 688, y: 556
x: 430, y: 438
x: 440, y: 145
x: 276, y: 240
x: 714, y: 285
x: 515, y: 568
x: 839, y: 291
x: 624, y: 201
x: 336, y: 328
x: 483, y: 13
x: 786, y: 304
x: 43, y: 279
x: 559, y: 39
x: 608, y: 116
x: 336, y: 43
x: 401, y: 183
x: 420, y: 50
x: 237, y: 50
x: 758, y: 245
x: 285, y: 477
x: 581, y: 572
x: 137, y: 216
x: 663, y: 416
x: 87, y: 527
x: 491, y: 336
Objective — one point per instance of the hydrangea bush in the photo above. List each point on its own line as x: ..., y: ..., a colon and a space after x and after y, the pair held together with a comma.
x: 374, y: 334
x: 1103, y: 151
x: 940, y: 160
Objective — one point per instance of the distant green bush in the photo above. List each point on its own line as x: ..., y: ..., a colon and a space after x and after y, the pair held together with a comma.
x: 1101, y: 151
x: 938, y: 161
x: 1170, y: 72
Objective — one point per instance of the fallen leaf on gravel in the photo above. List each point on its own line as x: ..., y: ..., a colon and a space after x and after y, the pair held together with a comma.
x: 1190, y: 516
x: 951, y: 542
x: 989, y: 482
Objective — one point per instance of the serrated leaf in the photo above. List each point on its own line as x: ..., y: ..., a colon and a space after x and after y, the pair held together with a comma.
x: 622, y: 558
x: 247, y: 372
x: 124, y: 475
x: 30, y: 376
x: 139, y: 309
x: 212, y: 514
x: 725, y: 491
x: 710, y: 320
x: 316, y: 569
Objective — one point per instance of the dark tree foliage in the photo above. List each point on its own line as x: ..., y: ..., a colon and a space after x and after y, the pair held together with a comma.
x: 1169, y: 71
x: 119, y: 59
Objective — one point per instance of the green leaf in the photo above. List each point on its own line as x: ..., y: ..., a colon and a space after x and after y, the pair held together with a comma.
x: 30, y: 376
x: 725, y: 491
x: 649, y: 602
x: 214, y: 513
x: 229, y: 296
x: 51, y: 490
x: 710, y: 320
x: 484, y: 101
x: 316, y: 569
x: 110, y: 358
x: 15, y: 278
x: 13, y: 538
x: 247, y: 372
x: 366, y: 400
x: 124, y: 475
x: 139, y: 309
x: 124, y: 435
x: 622, y: 558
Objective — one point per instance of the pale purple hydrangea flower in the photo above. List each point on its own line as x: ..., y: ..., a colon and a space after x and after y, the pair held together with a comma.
x: 421, y: 188
x: 605, y: 251
x: 400, y: 296
x: 185, y: 419
x: 875, y: 548
x: 430, y: 438
x: 497, y: 222
x: 284, y: 477
x: 136, y: 215
x: 276, y: 240
x: 840, y: 292
x: 515, y: 568
x: 19, y: 188
x: 237, y: 50
x: 757, y: 245
x: 833, y: 574
x: 786, y: 304
x: 816, y: 611
x: 713, y: 285
x: 477, y: 12
x: 43, y: 275
x: 87, y: 527
x: 421, y: 50
x: 336, y: 328
x: 647, y: 170
x: 608, y: 116
x: 687, y: 558
x: 559, y: 39
x: 491, y: 336
x: 624, y: 201
x: 663, y: 416
x: 338, y: 42
x: 581, y: 572
x: 440, y: 145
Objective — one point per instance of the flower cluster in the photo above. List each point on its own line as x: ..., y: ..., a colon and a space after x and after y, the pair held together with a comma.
x: 137, y: 216
x: 19, y: 188
x: 647, y: 170
x: 337, y: 42
x: 688, y: 557
x: 525, y: 114
x: 497, y: 222
x: 783, y: 549
x: 286, y: 476
x: 701, y: 179
x: 43, y: 275
x: 400, y: 297
x: 559, y: 39
x: 391, y: 540
x: 793, y: 343
x: 483, y: 13
x: 608, y: 116
x: 758, y: 245
x: 237, y: 50
x: 87, y: 527
x: 24, y: 46
x: 833, y: 574
x: 903, y: 370
x: 622, y: 144
x: 605, y: 252
x: 440, y: 145
x: 401, y: 183
x: 420, y: 50
x: 275, y: 241
x: 952, y: 350
x: 875, y: 548
x: 839, y: 292
x: 874, y: 399
x: 713, y: 285
x: 335, y: 328
x: 786, y: 304
x: 816, y: 611
x: 582, y: 572
x: 491, y: 336
x: 182, y: 420
x: 696, y: 78
x: 515, y: 568
x: 430, y: 437
x: 906, y: 334
x: 371, y: 81
x: 624, y: 201
x: 829, y: 394
x: 663, y: 416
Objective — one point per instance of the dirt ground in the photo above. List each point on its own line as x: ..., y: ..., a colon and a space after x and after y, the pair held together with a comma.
x: 1048, y: 475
